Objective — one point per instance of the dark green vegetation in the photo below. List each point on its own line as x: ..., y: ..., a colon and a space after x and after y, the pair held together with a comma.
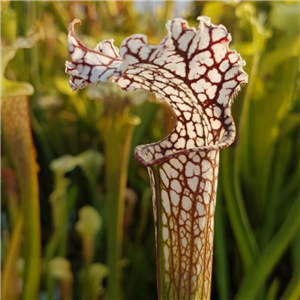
x: 94, y: 196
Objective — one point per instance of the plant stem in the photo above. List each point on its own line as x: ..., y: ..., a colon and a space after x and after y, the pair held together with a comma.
x: 10, y: 269
x: 118, y: 136
x: 17, y: 132
x: 237, y: 212
x: 220, y: 247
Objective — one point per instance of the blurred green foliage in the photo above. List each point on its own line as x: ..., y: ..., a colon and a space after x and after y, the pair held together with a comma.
x: 257, y: 235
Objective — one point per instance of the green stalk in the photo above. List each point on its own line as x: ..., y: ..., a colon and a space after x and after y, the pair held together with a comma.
x: 243, y: 155
x: 237, y: 212
x: 220, y: 247
x: 17, y: 133
x: 272, y: 290
x: 118, y: 136
x: 10, y: 268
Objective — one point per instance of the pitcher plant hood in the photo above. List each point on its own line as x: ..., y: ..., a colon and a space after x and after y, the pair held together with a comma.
x: 194, y: 71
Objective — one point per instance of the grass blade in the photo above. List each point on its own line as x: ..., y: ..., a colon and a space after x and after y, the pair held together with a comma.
x: 258, y: 274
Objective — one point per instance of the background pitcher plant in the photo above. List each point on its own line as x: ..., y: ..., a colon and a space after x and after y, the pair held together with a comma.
x: 25, y: 216
x: 196, y: 73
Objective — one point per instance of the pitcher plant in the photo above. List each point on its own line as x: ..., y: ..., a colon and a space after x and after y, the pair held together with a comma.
x: 195, y: 72
x: 16, y: 125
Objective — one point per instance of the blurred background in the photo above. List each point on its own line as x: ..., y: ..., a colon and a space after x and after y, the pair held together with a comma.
x: 86, y: 212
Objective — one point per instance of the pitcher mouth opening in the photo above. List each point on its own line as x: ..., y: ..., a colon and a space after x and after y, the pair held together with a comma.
x: 151, y: 154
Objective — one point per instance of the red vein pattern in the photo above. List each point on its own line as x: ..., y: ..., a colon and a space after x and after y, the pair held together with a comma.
x: 196, y: 73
